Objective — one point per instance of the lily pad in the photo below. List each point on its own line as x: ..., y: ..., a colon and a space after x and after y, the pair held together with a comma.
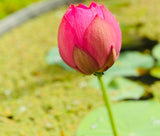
x: 136, y: 59
x: 155, y: 89
x: 132, y: 119
x: 155, y: 72
x: 53, y: 58
x: 156, y: 53
x: 130, y: 63
x: 120, y: 88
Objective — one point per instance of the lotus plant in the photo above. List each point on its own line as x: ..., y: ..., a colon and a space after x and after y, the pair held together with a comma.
x: 89, y: 40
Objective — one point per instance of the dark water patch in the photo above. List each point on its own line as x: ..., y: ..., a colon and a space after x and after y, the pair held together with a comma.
x: 145, y: 79
x: 10, y: 117
x: 146, y: 97
x: 139, y: 44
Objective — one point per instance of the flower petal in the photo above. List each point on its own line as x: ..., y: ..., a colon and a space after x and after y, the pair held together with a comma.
x: 78, y: 21
x: 108, y: 16
x: 82, y: 6
x: 84, y: 62
x: 81, y: 16
x: 96, y: 9
x: 66, y: 42
x: 98, y: 39
x: 110, y: 60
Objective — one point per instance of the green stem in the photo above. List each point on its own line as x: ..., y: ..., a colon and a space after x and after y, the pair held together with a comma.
x: 107, y: 103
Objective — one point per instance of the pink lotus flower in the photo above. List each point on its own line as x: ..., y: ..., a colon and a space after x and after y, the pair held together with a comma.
x: 89, y: 38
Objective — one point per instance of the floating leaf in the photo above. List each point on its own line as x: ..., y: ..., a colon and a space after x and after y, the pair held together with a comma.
x: 132, y: 119
x: 156, y: 53
x: 136, y: 59
x: 53, y: 58
x: 120, y: 88
x: 155, y: 89
x: 129, y: 64
x: 155, y: 72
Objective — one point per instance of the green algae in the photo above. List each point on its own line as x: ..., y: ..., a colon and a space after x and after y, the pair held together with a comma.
x: 144, y: 16
x: 138, y: 19
x: 37, y: 99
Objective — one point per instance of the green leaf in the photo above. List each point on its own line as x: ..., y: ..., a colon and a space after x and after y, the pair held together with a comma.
x: 120, y: 88
x: 155, y: 72
x: 53, y: 58
x: 132, y: 119
x: 156, y: 52
x: 155, y: 89
x: 136, y: 59
x: 130, y: 63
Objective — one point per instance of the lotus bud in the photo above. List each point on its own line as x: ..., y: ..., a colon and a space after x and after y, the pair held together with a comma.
x: 89, y: 38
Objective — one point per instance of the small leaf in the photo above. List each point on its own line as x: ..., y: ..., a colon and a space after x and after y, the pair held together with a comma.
x: 155, y: 72
x: 156, y: 53
x: 136, y: 60
x: 53, y: 58
x: 120, y: 88
x: 155, y: 89
x: 131, y: 118
x: 129, y: 64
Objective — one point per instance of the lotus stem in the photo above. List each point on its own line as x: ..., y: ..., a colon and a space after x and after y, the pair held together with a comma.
x: 107, y: 103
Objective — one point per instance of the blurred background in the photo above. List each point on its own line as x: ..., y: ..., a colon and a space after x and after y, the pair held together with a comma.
x: 7, y: 7
x: 41, y: 96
